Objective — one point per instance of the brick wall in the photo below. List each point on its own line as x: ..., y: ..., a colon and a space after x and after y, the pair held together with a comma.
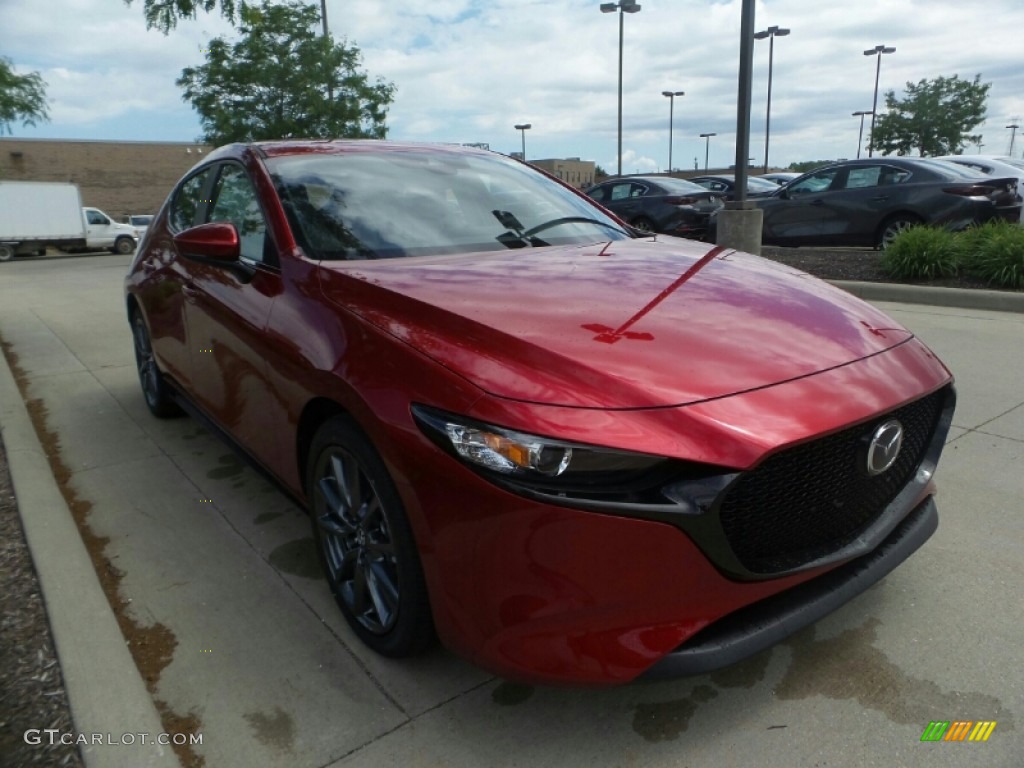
x: 116, y: 177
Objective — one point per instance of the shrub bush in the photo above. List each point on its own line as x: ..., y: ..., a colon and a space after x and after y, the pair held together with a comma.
x: 922, y: 252
x: 994, y: 252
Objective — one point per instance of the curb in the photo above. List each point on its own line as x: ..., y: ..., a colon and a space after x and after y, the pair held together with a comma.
x: 995, y: 301
x: 107, y: 695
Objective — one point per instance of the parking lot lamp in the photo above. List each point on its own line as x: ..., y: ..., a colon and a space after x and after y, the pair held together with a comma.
x: 860, y: 136
x: 707, y: 147
x: 771, y: 33
x: 1013, y: 134
x: 623, y: 7
x: 523, y: 128
x: 878, y: 50
x: 671, y: 104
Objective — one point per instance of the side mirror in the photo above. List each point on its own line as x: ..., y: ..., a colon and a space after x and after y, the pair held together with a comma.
x: 217, y: 242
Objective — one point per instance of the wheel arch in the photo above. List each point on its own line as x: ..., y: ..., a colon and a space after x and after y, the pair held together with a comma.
x: 905, y: 213
x: 314, y: 414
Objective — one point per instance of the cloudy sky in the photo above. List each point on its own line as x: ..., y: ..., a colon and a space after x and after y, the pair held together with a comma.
x: 468, y: 70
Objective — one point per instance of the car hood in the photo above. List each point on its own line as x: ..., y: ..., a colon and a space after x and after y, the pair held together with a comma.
x: 625, y: 324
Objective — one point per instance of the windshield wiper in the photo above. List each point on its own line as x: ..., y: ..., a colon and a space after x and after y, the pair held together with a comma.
x: 518, y: 237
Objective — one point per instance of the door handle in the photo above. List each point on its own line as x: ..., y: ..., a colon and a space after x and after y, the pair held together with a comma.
x: 816, y: 202
x: 879, y: 199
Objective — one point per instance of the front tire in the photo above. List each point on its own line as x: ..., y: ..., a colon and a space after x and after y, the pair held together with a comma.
x: 6, y: 252
x: 365, y: 543
x: 155, y: 391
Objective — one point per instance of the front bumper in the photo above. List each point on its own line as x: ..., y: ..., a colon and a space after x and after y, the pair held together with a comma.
x: 760, y: 626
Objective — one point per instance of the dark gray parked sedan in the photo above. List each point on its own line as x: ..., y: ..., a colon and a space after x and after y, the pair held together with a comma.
x: 868, y: 202
x: 659, y: 204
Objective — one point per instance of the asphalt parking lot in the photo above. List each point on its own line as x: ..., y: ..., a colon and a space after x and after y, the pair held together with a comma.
x: 220, y: 567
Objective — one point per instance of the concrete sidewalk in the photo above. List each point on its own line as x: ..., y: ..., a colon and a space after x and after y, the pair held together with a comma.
x: 263, y: 661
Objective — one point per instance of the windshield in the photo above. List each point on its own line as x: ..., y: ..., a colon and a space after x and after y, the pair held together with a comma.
x: 680, y: 186
x: 140, y: 221
x: 414, y: 202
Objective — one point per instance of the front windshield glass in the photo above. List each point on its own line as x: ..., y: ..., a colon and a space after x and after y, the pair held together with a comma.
x: 396, y: 202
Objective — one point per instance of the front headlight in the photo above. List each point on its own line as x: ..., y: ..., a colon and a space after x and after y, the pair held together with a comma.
x: 529, y: 462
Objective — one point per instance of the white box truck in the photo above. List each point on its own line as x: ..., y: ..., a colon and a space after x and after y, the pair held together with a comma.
x: 35, y: 214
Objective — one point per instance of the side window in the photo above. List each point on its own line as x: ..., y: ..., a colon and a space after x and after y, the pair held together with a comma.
x: 95, y: 217
x: 599, y: 193
x: 187, y: 200
x: 637, y: 190
x: 620, y: 192
x: 859, y: 178
x: 234, y: 201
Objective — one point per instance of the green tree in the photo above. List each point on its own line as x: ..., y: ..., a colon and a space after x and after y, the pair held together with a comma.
x: 22, y: 97
x: 164, y: 14
x: 282, y: 80
x: 808, y: 165
x: 936, y: 117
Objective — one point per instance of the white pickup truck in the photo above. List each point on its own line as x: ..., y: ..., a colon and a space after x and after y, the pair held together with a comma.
x: 37, y: 214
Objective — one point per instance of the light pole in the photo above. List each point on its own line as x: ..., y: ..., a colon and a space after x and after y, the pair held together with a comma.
x: 671, y: 105
x: 860, y: 136
x: 330, y: 77
x: 523, y: 128
x: 707, y: 147
x: 878, y: 50
x: 623, y: 7
x: 1013, y: 135
x: 771, y: 33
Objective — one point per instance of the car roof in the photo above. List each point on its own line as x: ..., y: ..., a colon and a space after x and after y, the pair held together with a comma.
x: 289, y: 147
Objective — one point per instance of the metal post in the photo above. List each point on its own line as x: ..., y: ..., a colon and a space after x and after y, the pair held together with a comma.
x: 671, y: 107
x: 743, y: 98
x: 523, y: 128
x: 707, y: 148
x: 771, y: 33
x: 1013, y: 135
x: 623, y: 7
x: 330, y: 75
x: 878, y: 50
x: 621, y: 25
x: 860, y: 136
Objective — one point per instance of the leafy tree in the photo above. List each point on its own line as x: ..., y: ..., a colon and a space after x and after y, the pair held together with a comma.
x: 282, y: 80
x: 599, y: 172
x: 935, y: 118
x: 808, y: 165
x: 22, y: 97
x: 164, y: 14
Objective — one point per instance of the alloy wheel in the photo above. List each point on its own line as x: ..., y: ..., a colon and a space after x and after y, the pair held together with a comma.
x: 355, y: 535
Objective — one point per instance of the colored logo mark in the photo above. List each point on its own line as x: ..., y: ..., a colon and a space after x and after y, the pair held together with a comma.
x: 958, y: 730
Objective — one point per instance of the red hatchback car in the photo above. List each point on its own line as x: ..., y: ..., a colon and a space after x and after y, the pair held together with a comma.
x: 575, y: 455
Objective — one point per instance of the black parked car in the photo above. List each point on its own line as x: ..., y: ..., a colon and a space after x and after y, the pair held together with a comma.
x: 868, y: 202
x: 659, y: 204
x: 724, y: 184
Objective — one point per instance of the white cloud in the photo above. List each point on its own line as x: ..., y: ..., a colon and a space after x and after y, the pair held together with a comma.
x: 468, y: 70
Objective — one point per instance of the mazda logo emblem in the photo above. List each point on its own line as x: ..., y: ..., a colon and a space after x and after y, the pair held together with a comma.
x: 884, y: 447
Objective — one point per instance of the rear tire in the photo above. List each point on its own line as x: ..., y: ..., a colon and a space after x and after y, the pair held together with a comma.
x: 893, y: 226
x: 6, y: 252
x: 643, y: 224
x: 124, y: 246
x: 364, y: 542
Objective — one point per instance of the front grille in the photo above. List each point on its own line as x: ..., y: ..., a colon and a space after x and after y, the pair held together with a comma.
x: 813, y: 499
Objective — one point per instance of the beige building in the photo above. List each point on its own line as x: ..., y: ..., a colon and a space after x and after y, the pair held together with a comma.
x: 572, y: 170
x: 117, y: 177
